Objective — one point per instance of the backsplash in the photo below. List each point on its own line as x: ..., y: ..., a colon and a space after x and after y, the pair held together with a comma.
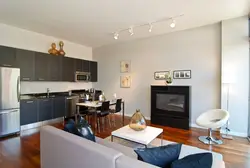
x: 41, y: 87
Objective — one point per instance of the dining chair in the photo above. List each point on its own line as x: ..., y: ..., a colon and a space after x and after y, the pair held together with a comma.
x: 118, y: 108
x: 103, y: 114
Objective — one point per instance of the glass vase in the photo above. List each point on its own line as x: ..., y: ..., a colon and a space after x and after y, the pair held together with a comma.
x: 138, y: 121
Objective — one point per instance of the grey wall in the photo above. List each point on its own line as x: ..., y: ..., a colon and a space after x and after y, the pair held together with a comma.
x: 195, y: 49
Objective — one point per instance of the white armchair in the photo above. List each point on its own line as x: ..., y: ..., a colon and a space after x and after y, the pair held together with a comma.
x: 212, y: 119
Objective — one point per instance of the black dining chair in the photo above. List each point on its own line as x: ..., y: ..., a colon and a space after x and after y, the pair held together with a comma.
x: 103, y: 114
x: 118, y: 109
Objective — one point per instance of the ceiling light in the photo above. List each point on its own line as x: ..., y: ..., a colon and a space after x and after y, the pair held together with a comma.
x: 150, y: 28
x: 131, y: 31
x: 116, y: 36
x: 172, y: 25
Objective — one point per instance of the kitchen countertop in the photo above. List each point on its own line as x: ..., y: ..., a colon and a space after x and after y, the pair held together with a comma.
x: 44, y: 95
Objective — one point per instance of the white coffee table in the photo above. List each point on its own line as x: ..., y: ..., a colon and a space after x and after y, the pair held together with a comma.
x: 144, y: 137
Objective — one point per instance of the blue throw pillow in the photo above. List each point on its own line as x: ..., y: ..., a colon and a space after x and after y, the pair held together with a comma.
x: 81, y: 129
x: 200, y: 160
x: 161, y: 156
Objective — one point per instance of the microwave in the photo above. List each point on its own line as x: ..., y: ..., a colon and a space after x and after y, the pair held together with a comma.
x: 82, y: 76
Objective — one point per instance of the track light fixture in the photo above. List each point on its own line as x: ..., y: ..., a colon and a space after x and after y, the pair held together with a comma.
x: 131, y: 31
x: 116, y: 36
x: 150, y: 27
x: 131, y: 28
x: 172, y: 25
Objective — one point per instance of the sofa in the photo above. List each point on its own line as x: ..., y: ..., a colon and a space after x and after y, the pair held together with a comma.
x: 60, y: 149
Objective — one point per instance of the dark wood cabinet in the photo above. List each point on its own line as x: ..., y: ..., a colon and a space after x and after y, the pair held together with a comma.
x: 26, y: 63
x: 55, y: 68
x: 85, y: 66
x: 68, y: 69
x: 28, y: 112
x: 45, y: 108
x: 93, y: 71
x: 78, y: 65
x: 42, y: 66
x: 7, y: 57
x: 59, y: 104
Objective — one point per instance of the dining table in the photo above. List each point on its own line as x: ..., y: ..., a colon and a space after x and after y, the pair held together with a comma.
x: 95, y: 105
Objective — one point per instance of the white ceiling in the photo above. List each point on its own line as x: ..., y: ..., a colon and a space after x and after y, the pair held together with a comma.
x: 91, y: 22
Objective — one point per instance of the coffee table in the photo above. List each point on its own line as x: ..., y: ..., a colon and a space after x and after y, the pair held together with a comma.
x: 144, y: 137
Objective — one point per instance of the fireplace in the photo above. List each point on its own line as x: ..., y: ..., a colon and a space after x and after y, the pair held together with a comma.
x: 170, y: 106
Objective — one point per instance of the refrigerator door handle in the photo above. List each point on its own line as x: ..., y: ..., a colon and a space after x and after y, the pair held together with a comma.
x: 6, y: 112
x: 18, y: 89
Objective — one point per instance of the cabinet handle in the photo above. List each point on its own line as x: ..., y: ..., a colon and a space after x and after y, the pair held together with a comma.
x: 26, y: 79
x: 40, y: 79
x: 29, y: 101
x: 7, y: 65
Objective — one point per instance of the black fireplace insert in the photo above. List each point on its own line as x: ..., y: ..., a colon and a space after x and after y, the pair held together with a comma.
x: 170, y: 106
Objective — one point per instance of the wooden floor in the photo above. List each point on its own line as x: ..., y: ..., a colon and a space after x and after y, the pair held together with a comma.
x: 24, y: 151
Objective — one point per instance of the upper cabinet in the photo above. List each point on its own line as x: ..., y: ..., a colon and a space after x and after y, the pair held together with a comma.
x: 82, y: 65
x: 55, y: 68
x: 68, y: 69
x: 85, y: 66
x: 8, y: 56
x: 42, y: 66
x: 26, y: 63
x: 93, y: 71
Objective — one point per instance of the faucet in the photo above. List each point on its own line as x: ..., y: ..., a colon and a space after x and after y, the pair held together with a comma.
x: 48, y: 92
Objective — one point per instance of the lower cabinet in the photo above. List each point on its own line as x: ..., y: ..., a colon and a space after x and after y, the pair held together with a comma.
x: 45, y: 108
x: 28, y: 112
x: 59, y: 104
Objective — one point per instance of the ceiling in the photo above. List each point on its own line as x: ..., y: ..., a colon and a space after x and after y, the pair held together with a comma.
x: 92, y: 22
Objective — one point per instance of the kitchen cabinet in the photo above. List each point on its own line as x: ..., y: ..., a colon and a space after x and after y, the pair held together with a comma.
x: 55, y: 68
x: 28, y: 112
x: 26, y: 63
x: 45, y: 109
x: 7, y: 56
x: 85, y: 66
x: 59, y: 104
x: 78, y: 65
x: 68, y: 69
x: 93, y: 71
x: 42, y: 66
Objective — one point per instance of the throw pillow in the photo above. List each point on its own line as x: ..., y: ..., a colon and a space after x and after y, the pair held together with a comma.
x: 200, y: 160
x: 81, y: 129
x: 161, y: 156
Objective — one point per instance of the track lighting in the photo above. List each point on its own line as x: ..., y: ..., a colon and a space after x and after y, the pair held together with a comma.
x: 172, y: 25
x: 150, y: 28
x: 116, y: 36
x: 131, y: 31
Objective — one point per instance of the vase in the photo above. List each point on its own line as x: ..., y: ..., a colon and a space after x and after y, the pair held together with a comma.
x: 138, y: 121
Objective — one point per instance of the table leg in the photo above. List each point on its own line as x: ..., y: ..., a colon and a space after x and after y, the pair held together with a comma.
x: 95, y: 125
x: 162, y: 139
x: 77, y: 113
x: 123, y: 104
x: 112, y: 138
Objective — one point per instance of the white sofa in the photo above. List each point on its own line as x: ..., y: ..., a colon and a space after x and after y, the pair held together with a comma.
x: 60, y: 149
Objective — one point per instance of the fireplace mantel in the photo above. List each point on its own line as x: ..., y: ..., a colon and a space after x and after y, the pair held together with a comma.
x: 170, y: 105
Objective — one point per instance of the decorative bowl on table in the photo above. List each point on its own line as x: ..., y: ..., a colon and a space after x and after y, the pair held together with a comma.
x: 138, y: 121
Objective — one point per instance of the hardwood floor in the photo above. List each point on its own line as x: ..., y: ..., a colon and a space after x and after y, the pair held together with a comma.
x: 24, y: 151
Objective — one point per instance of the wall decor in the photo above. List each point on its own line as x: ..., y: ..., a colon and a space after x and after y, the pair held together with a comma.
x: 125, y: 81
x: 125, y: 66
x: 61, y: 51
x: 160, y: 75
x: 182, y: 74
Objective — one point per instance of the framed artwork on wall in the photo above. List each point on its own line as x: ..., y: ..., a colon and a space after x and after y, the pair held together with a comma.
x: 125, y: 81
x: 125, y: 66
x: 160, y: 75
x: 182, y: 74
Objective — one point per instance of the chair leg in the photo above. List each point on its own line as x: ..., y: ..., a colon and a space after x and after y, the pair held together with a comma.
x: 98, y: 125
x: 209, y: 139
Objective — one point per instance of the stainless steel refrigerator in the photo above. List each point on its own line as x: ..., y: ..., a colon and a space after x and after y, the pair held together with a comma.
x: 9, y: 101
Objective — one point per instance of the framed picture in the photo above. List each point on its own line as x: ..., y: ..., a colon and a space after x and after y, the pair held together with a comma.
x: 125, y: 81
x: 182, y: 74
x: 160, y: 75
x: 125, y: 66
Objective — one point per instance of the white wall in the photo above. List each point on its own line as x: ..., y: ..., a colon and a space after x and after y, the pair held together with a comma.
x: 235, y: 69
x: 20, y: 38
x: 195, y: 49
